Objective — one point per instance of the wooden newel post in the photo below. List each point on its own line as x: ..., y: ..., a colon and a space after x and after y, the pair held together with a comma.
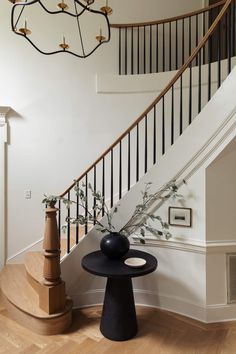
x: 52, y: 298
x: 51, y: 246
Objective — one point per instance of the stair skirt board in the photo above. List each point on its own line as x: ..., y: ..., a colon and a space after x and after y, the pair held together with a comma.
x: 22, y: 302
x: 50, y: 325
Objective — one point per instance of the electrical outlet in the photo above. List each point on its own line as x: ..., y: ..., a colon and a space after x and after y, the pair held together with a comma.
x: 28, y: 194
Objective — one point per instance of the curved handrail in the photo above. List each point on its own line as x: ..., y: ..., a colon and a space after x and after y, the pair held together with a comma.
x: 160, y: 96
x: 170, y: 19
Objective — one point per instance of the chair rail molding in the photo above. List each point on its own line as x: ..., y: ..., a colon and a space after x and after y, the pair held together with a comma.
x: 3, y: 142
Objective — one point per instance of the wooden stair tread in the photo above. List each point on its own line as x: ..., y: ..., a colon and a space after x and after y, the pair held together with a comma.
x: 34, y: 265
x: 19, y: 292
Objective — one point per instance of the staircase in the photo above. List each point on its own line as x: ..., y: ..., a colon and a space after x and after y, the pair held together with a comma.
x: 34, y: 293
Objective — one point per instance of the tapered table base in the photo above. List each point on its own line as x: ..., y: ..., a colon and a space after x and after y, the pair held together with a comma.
x: 119, y: 320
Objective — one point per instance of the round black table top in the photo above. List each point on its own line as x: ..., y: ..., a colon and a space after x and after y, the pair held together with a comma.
x: 99, y: 264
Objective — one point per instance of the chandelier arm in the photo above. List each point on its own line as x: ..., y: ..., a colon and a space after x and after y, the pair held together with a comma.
x: 62, y: 51
x: 50, y: 53
x: 79, y: 29
x: 60, y: 12
x: 21, y: 11
x: 93, y: 50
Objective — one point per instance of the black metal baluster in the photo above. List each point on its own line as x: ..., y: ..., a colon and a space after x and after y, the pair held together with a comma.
x: 219, y: 55
x: 209, y: 67
x: 137, y: 153
x: 181, y: 106
x: 233, y: 28
x: 154, y: 136
x: 196, y: 37
x: 172, y: 115
x: 126, y: 49
x: 228, y: 28
x: 157, y: 50
x: 170, y: 45
x: 163, y: 125
x: 199, y: 82
x: 129, y: 161
x: 176, y: 44
x: 86, y: 205
x: 95, y: 190
x: 59, y: 218
x: 119, y: 51
x: 150, y: 49
x: 190, y: 35
x: 103, y: 184
x: 77, y: 215
x: 204, y: 32
x: 138, y: 59
x: 68, y: 225
x: 144, y: 50
x: 190, y: 93
x: 183, y: 48
x: 226, y: 35
x: 163, y: 48
x: 145, y: 147
x: 132, y: 50
x: 112, y: 179
x: 120, y: 170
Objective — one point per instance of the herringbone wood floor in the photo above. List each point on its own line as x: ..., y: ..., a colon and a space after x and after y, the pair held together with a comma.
x: 159, y: 333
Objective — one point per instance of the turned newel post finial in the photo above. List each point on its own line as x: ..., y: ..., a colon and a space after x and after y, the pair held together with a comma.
x: 51, y: 246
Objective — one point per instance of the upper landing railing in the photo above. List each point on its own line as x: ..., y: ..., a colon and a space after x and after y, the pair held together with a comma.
x: 157, y: 128
x: 165, y: 45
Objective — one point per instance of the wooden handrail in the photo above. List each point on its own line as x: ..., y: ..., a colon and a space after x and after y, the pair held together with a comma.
x: 159, y: 97
x: 167, y: 20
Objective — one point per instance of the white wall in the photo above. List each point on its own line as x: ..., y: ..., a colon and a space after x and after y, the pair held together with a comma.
x: 221, y: 196
x: 57, y: 129
x: 151, y: 10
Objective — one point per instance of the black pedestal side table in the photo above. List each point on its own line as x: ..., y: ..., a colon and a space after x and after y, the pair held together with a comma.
x: 118, y: 320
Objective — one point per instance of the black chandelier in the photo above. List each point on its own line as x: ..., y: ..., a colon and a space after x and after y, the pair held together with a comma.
x: 62, y: 8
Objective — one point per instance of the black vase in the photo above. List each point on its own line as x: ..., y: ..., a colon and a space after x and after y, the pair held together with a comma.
x: 114, y: 245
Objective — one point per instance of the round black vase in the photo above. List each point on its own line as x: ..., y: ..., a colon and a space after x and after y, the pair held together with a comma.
x: 114, y: 245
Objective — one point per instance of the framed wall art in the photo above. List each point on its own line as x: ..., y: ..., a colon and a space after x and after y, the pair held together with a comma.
x: 179, y: 216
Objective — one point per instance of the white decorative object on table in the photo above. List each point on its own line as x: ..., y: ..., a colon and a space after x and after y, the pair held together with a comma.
x: 135, y: 262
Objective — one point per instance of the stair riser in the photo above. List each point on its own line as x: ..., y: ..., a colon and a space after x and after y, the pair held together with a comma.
x: 34, y: 283
x: 41, y: 326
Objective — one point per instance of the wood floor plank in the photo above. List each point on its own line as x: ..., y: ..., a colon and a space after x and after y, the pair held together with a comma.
x: 160, y: 332
x: 31, y: 349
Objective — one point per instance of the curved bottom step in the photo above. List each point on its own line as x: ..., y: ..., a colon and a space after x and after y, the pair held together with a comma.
x: 21, y: 300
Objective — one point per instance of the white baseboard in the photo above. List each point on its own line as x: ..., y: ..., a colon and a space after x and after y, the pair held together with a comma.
x: 200, y: 312
x: 145, y: 298
x: 221, y: 313
x: 88, y: 298
x: 170, y: 303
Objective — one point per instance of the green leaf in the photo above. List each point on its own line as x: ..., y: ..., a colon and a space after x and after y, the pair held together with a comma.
x: 142, y: 232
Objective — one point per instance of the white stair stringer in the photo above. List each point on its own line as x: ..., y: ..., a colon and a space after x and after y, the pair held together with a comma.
x: 210, y: 132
